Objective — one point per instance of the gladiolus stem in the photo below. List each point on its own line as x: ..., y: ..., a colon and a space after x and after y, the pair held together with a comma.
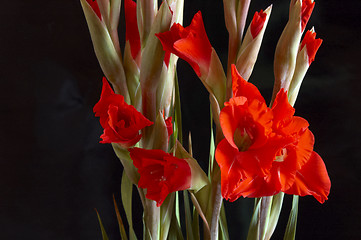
x: 217, y: 204
x: 264, y: 214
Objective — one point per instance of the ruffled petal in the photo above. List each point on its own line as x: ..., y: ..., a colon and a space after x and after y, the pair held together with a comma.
x: 241, y: 87
x: 281, y: 108
x: 190, y: 43
x: 253, y: 188
x: 312, y: 179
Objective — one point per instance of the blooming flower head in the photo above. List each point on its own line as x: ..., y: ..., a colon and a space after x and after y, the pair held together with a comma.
x: 265, y: 150
x: 246, y: 123
x: 160, y: 173
x: 190, y: 43
x: 121, y: 122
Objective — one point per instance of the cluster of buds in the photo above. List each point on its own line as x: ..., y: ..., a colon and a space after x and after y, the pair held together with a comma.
x: 260, y: 152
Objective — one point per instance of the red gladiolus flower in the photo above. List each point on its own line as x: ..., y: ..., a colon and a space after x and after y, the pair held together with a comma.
x: 246, y: 123
x: 312, y: 45
x: 307, y: 8
x: 296, y: 168
x: 160, y: 173
x: 190, y: 43
x: 258, y: 21
x: 94, y: 5
x: 131, y: 27
x: 265, y: 150
x: 121, y: 122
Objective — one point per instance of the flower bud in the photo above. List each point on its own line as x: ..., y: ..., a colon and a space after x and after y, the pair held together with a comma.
x: 248, y: 52
x: 288, y: 44
x: 106, y: 47
x: 305, y: 56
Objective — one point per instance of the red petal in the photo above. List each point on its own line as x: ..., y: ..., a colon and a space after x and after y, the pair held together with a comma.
x: 190, y: 43
x: 307, y: 8
x: 312, y: 45
x: 243, y: 88
x: 281, y: 108
x: 237, y: 166
x: 312, y: 179
x: 131, y: 27
x: 231, y: 171
x: 257, y: 23
x: 253, y: 188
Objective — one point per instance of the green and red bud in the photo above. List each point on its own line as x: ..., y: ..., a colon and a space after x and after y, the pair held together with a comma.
x: 306, y: 55
x: 251, y: 44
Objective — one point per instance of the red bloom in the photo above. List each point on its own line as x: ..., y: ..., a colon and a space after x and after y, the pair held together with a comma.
x: 160, y: 173
x: 190, y: 43
x: 246, y: 123
x: 94, y: 5
x: 312, y: 45
x: 266, y: 151
x: 257, y: 23
x: 121, y: 122
x: 307, y: 8
x: 131, y: 27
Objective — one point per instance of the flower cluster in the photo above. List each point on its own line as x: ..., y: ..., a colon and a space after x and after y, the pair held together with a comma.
x: 260, y: 151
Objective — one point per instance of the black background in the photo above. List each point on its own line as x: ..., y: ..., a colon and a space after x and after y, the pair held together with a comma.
x: 53, y: 171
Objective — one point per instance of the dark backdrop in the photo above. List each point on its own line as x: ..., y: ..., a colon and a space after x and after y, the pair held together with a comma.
x: 53, y: 171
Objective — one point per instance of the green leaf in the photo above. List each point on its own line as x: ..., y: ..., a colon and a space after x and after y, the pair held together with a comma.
x: 187, y: 210
x: 176, y: 209
x: 198, y: 207
x: 195, y: 223
x: 166, y: 213
x: 199, y: 178
x: 104, y: 234
x: 127, y: 162
x: 127, y: 191
x: 290, y: 233
x: 120, y: 221
x: 175, y: 232
x: 253, y: 231
x: 178, y: 114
